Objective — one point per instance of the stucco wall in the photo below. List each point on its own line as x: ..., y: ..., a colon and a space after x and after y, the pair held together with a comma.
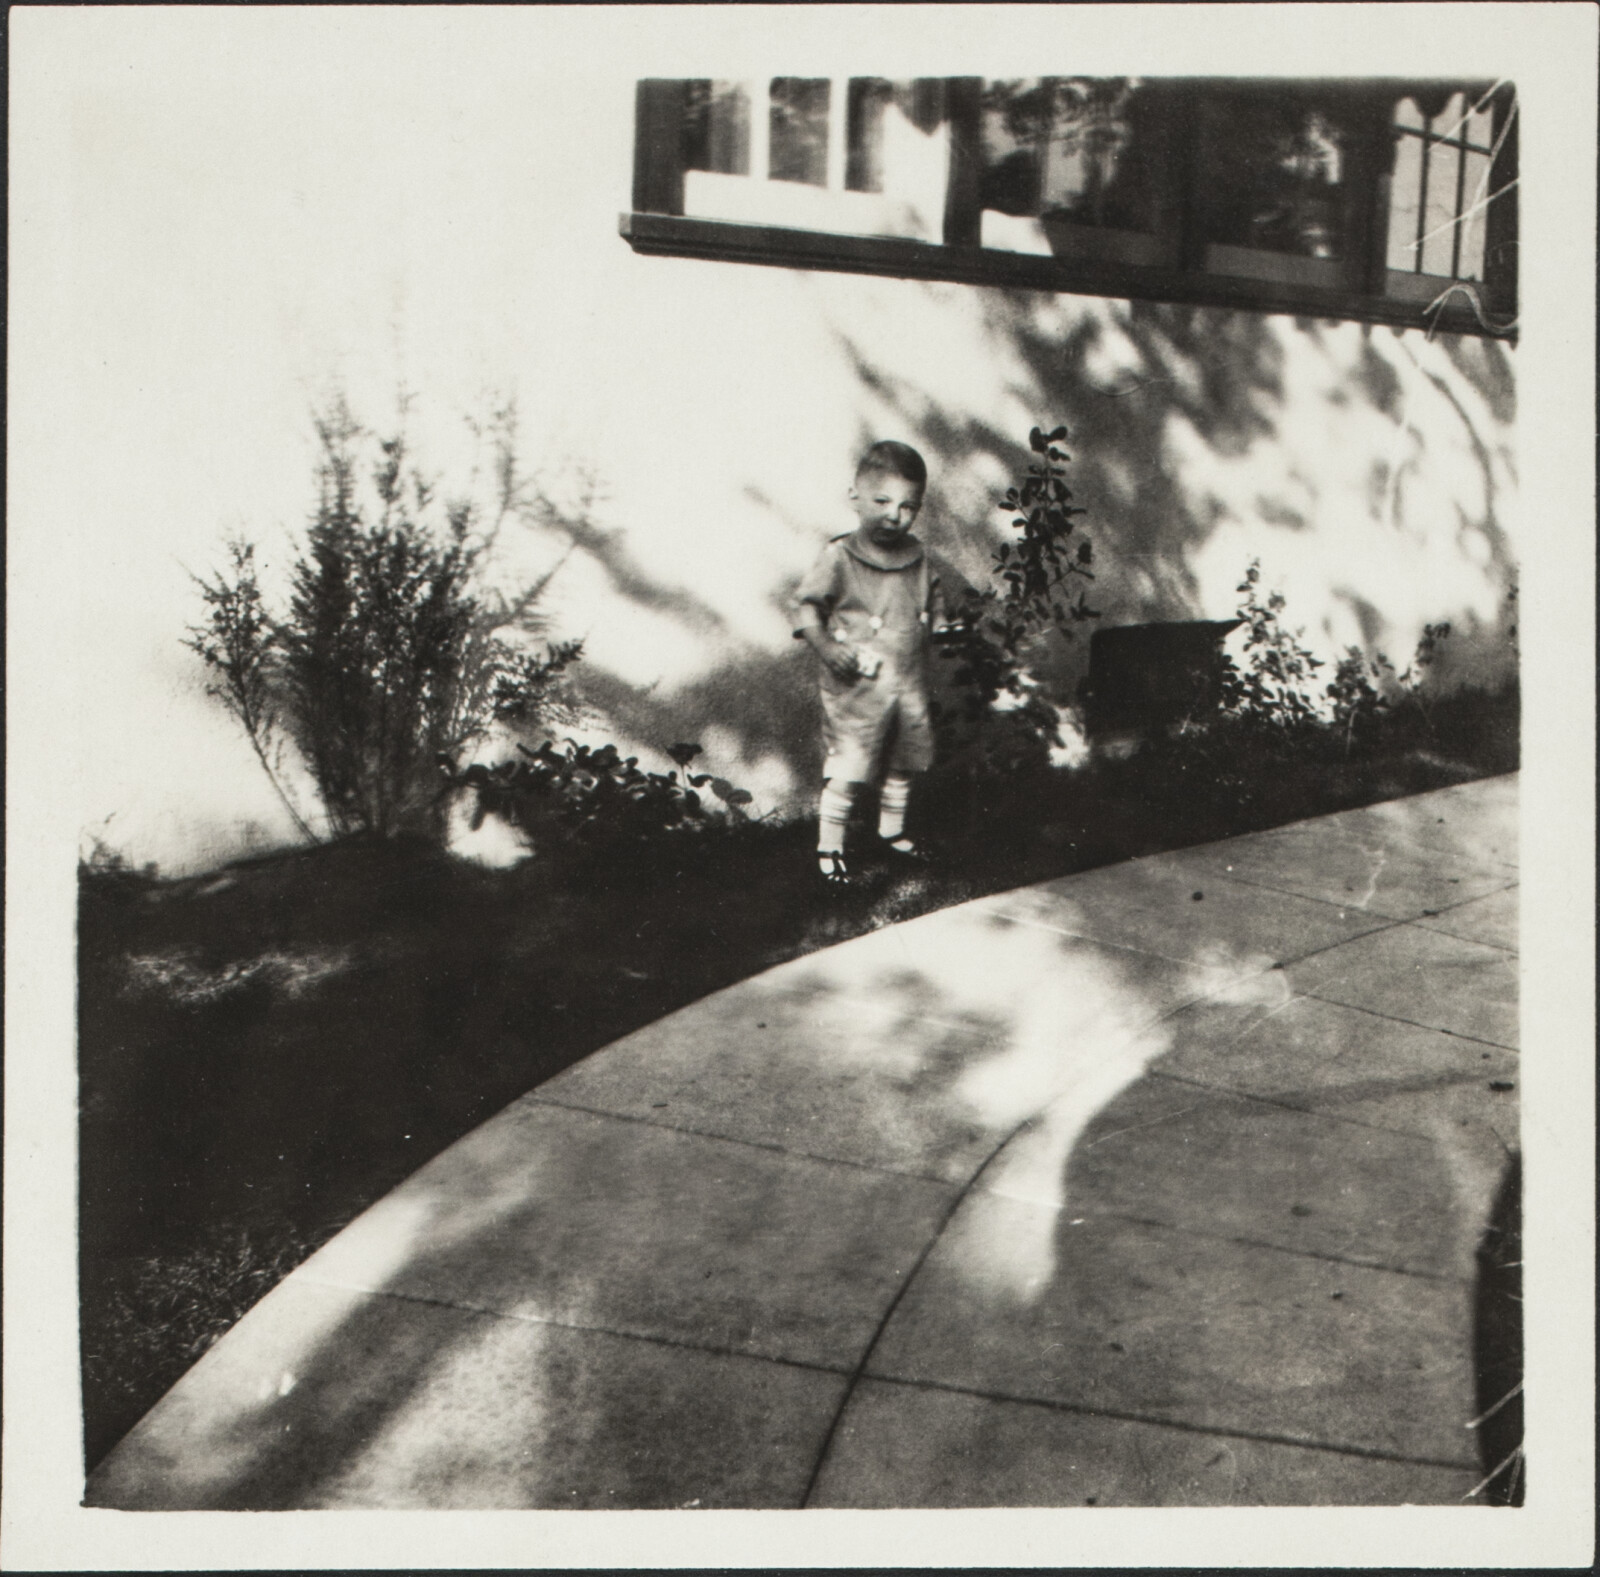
x: 231, y: 243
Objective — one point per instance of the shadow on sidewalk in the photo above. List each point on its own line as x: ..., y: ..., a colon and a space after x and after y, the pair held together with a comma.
x: 1497, y: 1343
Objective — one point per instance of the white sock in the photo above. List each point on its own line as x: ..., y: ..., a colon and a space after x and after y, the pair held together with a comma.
x: 892, y: 799
x: 833, y: 815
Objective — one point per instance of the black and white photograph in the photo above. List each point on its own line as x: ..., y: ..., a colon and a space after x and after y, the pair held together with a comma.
x: 800, y: 760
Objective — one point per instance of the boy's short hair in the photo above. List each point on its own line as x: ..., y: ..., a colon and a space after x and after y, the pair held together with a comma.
x: 888, y: 458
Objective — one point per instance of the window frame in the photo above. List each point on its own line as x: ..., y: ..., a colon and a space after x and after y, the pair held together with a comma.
x: 658, y: 226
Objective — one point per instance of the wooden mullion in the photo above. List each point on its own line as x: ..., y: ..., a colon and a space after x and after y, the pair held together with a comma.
x: 1369, y: 172
x: 1189, y: 215
x: 1500, y: 223
x: 660, y: 106
x: 1422, y: 191
x: 1169, y: 170
x: 963, y: 198
x: 1455, y: 227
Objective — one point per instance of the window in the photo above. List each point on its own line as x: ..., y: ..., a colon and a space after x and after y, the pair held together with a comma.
x: 1276, y: 199
x: 1382, y: 201
x: 800, y: 141
x: 716, y: 127
x: 1072, y: 167
x: 1445, y: 192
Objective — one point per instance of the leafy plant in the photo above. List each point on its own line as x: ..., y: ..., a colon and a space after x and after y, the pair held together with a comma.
x: 1366, y: 692
x: 1040, y: 573
x: 238, y: 643
x: 1270, y: 692
x: 1356, y: 693
x: 1003, y: 722
x: 594, y: 794
x: 393, y: 653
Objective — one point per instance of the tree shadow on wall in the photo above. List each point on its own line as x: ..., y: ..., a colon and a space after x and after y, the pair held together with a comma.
x: 1218, y: 371
x: 1135, y: 381
x: 1130, y: 380
x: 767, y: 700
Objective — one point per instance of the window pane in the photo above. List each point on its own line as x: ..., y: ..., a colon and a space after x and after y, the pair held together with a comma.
x: 870, y: 97
x: 1406, y: 113
x: 1078, y: 149
x: 1480, y: 128
x: 1405, y: 191
x: 717, y: 127
x: 1451, y: 121
x: 799, y: 148
x: 1438, y: 228
x: 1477, y: 211
x: 1274, y: 176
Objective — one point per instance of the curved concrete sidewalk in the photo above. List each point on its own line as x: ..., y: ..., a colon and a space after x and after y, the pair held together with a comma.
x: 1155, y: 1185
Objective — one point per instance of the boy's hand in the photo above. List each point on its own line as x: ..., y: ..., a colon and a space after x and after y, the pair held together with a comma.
x: 838, y: 659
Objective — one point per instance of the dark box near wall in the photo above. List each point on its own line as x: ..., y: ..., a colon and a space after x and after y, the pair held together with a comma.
x: 1144, y: 678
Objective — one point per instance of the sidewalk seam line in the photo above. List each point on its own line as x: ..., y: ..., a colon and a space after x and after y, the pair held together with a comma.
x: 888, y: 1314
x: 1394, y: 1018
x: 1284, y: 1248
x: 1281, y: 1104
x: 1370, y: 1453
x: 1100, y: 941
x: 1331, y: 903
x: 766, y: 1145
x: 677, y: 1343
x: 1455, y: 936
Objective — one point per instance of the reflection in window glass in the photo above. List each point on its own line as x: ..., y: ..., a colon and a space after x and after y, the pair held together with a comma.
x: 717, y: 127
x: 879, y: 114
x: 1275, y: 177
x: 870, y: 98
x: 799, y: 146
x: 1073, y: 148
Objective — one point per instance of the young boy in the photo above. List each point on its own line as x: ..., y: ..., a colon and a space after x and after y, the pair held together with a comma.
x: 866, y: 610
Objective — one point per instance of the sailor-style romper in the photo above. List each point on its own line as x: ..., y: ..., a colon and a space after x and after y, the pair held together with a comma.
x: 887, y: 615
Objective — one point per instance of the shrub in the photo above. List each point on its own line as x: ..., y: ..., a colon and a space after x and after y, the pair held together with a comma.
x: 1367, y: 695
x: 993, y: 632
x: 592, y: 795
x: 392, y: 654
x: 1270, y: 692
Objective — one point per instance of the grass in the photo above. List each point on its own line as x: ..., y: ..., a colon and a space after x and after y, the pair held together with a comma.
x: 267, y: 1049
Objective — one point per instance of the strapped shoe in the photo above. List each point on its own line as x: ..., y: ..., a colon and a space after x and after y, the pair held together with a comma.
x: 831, y: 867
x: 907, y: 849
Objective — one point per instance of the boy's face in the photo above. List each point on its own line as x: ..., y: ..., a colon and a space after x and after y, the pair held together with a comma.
x: 886, y: 506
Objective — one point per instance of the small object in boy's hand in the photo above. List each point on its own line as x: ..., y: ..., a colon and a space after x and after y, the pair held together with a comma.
x: 869, y: 664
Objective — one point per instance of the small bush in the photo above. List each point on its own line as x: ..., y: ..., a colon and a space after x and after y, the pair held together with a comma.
x: 1369, y: 699
x: 1003, y: 722
x: 591, y: 795
x: 392, y: 654
x: 1270, y: 692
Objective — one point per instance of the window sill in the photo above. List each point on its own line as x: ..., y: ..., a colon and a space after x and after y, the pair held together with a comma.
x: 720, y: 240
